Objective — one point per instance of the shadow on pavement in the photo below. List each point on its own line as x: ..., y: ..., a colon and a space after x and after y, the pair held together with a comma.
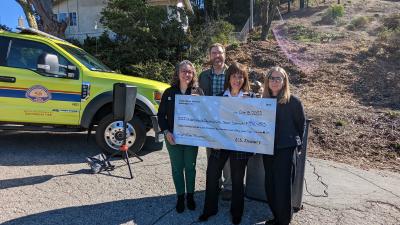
x: 149, y: 210
x: 25, y: 181
x: 20, y: 148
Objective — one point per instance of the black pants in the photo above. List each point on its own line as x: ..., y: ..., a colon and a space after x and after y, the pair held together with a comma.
x: 279, y: 177
x: 214, y: 170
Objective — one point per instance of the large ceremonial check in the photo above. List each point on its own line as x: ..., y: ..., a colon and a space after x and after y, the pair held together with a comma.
x: 242, y: 124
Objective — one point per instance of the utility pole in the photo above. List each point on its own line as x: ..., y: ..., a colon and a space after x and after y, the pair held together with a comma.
x: 251, y: 14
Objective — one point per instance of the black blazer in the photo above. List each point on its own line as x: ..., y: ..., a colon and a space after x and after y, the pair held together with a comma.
x: 290, y: 124
x: 166, y: 110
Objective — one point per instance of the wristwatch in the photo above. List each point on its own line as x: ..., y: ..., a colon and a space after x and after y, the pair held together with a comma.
x: 165, y: 132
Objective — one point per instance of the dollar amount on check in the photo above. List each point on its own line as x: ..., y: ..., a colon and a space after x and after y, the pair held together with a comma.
x: 241, y: 124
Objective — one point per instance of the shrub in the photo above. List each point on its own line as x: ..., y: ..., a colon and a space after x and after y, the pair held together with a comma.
x: 358, y: 23
x: 392, y: 22
x: 387, y: 45
x: 351, y: 27
x: 336, y: 11
x: 391, y: 38
x: 222, y: 33
x: 332, y: 15
x: 155, y: 70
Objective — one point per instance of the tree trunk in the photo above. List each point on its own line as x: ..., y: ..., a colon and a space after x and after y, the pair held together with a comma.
x: 47, y: 22
x: 301, y: 4
x: 47, y: 19
x: 268, y: 12
x: 28, y: 13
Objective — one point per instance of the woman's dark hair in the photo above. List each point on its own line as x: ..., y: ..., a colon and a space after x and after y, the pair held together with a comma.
x: 237, y: 68
x: 175, y: 79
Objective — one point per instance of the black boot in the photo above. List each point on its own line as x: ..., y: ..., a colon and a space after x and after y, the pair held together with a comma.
x: 190, y: 201
x: 236, y: 219
x: 180, y: 204
x: 205, y: 216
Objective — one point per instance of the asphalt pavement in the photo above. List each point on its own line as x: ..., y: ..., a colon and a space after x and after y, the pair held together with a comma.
x: 44, y: 179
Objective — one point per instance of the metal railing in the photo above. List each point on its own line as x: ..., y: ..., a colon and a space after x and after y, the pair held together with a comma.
x: 244, y: 33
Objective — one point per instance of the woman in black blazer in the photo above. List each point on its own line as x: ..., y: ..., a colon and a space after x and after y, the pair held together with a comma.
x: 289, y: 130
x: 236, y: 85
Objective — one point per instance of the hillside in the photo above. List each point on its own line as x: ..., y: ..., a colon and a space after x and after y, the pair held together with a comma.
x: 347, y: 73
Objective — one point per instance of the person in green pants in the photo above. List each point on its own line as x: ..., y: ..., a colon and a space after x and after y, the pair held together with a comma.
x: 183, y: 157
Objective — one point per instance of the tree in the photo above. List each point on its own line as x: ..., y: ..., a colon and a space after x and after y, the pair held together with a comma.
x: 39, y: 15
x: 238, y: 12
x: 268, y: 12
x: 215, y: 9
x: 144, y: 33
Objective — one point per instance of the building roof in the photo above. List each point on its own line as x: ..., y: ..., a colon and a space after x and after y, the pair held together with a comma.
x: 186, y: 3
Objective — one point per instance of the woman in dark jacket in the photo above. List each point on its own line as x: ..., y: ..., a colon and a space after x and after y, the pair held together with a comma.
x: 236, y: 85
x: 289, y: 130
x: 183, y: 157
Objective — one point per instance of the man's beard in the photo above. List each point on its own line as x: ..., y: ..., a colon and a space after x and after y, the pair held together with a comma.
x: 218, y: 62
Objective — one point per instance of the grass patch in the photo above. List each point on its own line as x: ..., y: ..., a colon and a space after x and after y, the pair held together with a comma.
x: 305, y: 34
x: 395, y: 146
x: 393, y: 114
x: 234, y: 45
x: 358, y: 23
x: 340, y: 123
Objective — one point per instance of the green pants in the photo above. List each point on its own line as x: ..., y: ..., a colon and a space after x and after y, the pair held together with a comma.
x: 183, y: 160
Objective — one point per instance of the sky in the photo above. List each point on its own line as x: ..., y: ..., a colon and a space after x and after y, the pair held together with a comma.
x: 10, y: 10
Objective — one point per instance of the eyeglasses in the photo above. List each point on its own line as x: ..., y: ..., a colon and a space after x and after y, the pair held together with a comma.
x: 275, y: 79
x: 187, y: 71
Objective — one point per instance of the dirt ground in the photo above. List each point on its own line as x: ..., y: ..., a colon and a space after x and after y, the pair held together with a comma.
x: 351, y: 93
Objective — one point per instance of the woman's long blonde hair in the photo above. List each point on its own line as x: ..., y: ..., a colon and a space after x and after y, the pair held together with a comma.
x: 284, y: 94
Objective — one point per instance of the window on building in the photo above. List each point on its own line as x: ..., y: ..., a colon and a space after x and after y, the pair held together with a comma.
x: 72, y: 19
x: 62, y: 17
